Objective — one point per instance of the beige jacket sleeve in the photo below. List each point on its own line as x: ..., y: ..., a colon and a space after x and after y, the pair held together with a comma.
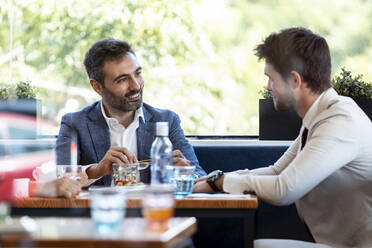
x: 293, y: 176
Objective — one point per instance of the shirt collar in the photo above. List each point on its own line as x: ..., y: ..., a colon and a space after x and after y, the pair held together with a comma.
x: 315, y: 107
x: 112, y: 121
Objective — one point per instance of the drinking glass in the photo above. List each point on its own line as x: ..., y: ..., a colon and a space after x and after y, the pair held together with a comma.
x: 70, y: 171
x: 44, y: 173
x: 158, y: 205
x: 127, y: 174
x: 182, y: 178
x: 107, y: 206
x: 20, y: 187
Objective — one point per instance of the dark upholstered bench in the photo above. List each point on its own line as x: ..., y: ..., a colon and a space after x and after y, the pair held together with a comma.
x: 271, y: 221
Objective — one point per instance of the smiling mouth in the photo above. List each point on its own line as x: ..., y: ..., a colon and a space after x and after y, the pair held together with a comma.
x: 134, y: 97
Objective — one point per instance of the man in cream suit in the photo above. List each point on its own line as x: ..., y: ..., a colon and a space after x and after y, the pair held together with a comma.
x: 120, y: 128
x: 327, y: 171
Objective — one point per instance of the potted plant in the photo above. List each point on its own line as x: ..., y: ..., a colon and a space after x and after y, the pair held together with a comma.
x: 19, y: 98
x: 4, y: 92
x: 275, y: 125
x: 353, y: 86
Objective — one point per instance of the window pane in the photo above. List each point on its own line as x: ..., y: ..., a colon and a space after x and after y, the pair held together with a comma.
x: 197, y: 55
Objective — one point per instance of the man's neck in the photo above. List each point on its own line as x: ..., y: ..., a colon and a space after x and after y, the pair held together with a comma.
x: 305, y: 102
x: 124, y: 118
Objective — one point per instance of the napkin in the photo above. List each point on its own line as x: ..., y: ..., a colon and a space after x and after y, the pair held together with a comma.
x: 218, y: 196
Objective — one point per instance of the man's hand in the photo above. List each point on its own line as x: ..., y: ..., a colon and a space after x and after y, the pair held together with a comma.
x: 179, y: 159
x: 64, y: 186
x: 115, y: 155
x: 67, y: 187
x: 201, y: 185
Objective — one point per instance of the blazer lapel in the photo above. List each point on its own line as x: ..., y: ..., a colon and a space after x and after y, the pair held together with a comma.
x: 99, y: 132
x: 145, y: 135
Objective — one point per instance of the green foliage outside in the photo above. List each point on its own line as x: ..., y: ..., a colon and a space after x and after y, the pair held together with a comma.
x: 21, y: 90
x: 352, y: 86
x: 197, y: 55
x: 265, y: 93
x: 4, y: 93
x: 24, y: 90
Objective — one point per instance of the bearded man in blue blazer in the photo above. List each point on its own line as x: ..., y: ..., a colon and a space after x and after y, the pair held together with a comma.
x: 120, y: 128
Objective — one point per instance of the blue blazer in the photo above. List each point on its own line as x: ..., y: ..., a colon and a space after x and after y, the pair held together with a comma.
x: 89, y: 130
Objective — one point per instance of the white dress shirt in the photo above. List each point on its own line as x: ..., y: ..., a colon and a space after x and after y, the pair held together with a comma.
x: 121, y: 136
x: 330, y: 179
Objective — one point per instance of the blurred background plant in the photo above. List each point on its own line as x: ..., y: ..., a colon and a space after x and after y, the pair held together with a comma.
x: 4, y: 92
x: 352, y: 86
x: 265, y: 93
x: 24, y: 90
x: 197, y: 55
x: 21, y: 90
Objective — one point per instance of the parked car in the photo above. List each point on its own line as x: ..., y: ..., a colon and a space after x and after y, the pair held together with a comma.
x: 20, y: 150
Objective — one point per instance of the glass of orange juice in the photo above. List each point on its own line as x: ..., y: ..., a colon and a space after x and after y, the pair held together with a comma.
x: 158, y: 206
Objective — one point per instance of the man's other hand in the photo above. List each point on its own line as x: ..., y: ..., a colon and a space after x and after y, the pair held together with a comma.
x: 115, y: 155
x: 64, y: 186
x: 67, y: 187
x: 201, y: 185
x: 179, y: 159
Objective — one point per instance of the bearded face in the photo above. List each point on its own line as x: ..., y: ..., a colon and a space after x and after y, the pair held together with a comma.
x: 123, y: 84
x: 130, y: 101
x: 282, y: 95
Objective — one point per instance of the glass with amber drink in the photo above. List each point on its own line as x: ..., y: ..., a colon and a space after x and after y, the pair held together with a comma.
x: 158, y: 206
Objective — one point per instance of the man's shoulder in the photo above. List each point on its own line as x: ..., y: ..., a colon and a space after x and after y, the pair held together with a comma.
x: 78, y: 115
x: 341, y: 105
x: 343, y: 112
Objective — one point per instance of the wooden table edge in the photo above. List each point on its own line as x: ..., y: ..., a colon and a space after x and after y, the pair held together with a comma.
x: 189, y: 226
x: 135, y: 202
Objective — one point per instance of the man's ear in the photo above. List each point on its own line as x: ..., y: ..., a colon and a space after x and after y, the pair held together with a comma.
x: 296, y: 79
x: 96, y: 86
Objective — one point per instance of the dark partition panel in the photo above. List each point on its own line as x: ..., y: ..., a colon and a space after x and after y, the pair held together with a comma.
x: 271, y: 221
x: 230, y: 158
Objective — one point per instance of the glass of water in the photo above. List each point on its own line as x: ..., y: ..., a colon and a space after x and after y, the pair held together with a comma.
x: 107, y: 208
x: 182, y: 179
x: 70, y: 171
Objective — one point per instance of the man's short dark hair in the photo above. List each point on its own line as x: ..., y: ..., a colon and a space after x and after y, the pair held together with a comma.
x: 101, y: 51
x: 301, y: 50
